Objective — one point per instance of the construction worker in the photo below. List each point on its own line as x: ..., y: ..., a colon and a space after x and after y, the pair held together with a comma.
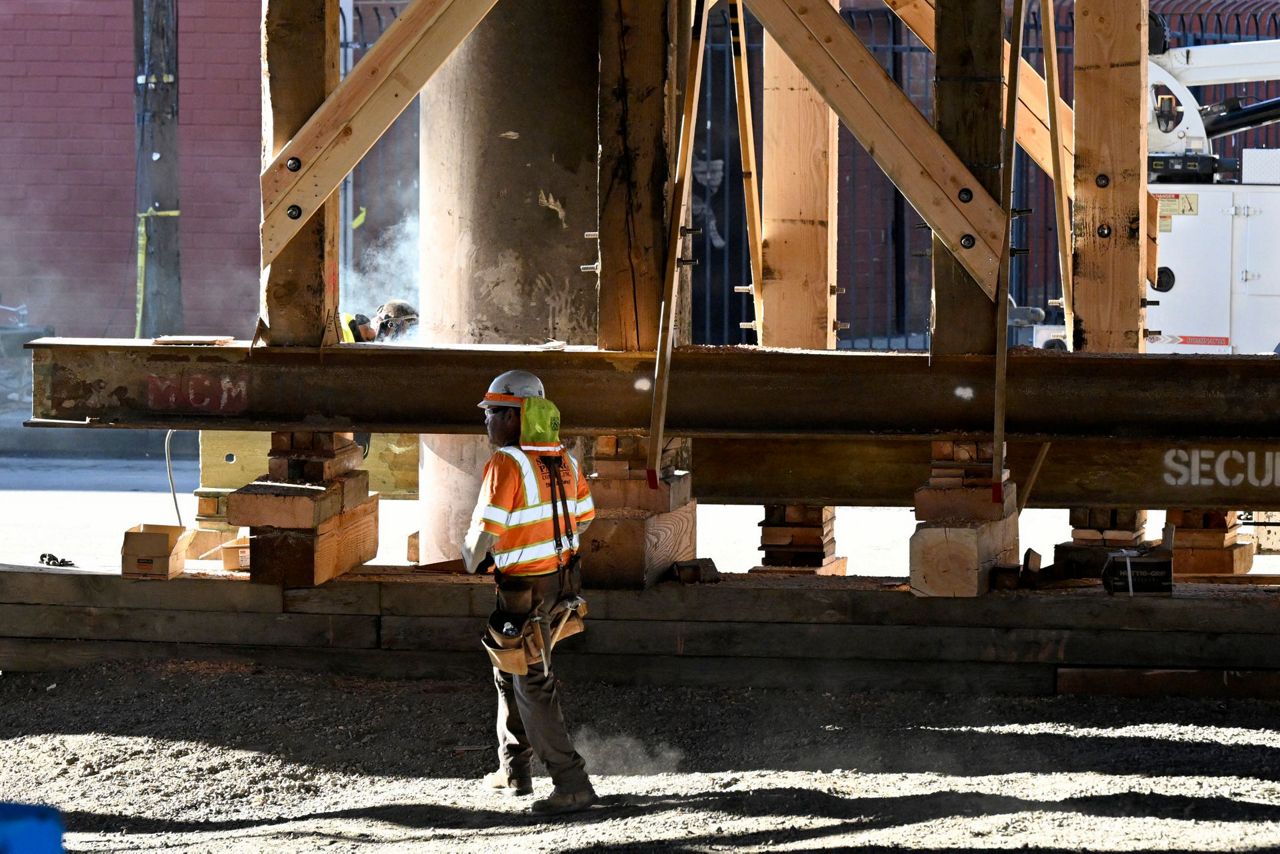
x: 357, y: 328
x: 515, y: 530
x: 394, y: 320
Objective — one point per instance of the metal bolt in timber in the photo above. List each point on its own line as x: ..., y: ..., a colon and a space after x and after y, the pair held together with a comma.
x: 294, y: 212
x: 965, y: 195
x: 968, y: 241
x: 1104, y: 230
x: 1102, y: 180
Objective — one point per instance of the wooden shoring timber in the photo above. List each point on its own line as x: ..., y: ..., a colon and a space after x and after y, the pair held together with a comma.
x: 675, y: 245
x: 750, y: 175
x: 798, y: 207
x: 354, y: 117
x: 300, y: 65
x: 1063, y: 179
x: 1006, y: 258
x: 1110, y: 210
x: 1034, y: 121
x: 891, y: 129
x: 634, y: 121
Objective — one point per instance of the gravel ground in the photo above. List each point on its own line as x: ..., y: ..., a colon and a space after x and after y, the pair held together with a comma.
x: 199, y: 757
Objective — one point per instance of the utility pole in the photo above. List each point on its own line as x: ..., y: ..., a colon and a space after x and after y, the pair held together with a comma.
x: 155, y: 39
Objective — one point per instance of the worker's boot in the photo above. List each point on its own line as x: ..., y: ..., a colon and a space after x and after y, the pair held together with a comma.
x: 562, y: 801
x: 514, y: 784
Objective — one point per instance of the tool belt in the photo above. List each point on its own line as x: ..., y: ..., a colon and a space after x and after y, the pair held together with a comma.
x: 537, y: 633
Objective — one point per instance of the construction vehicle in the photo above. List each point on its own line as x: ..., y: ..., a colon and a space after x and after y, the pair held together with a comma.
x: 1217, y: 289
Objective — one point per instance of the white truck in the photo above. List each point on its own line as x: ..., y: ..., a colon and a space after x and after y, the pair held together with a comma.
x: 1218, y: 288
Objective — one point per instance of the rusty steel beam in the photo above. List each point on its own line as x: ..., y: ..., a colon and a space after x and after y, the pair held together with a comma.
x: 715, y: 391
x: 1076, y: 473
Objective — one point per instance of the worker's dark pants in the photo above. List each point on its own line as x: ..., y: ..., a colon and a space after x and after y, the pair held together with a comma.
x: 529, y: 718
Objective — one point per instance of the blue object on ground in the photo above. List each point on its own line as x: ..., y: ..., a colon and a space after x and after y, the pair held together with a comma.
x: 30, y: 830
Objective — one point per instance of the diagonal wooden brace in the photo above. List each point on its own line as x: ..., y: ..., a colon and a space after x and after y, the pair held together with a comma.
x: 354, y: 117
x: 899, y: 138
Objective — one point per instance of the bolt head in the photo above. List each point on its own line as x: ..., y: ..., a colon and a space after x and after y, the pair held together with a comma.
x: 294, y: 212
x: 1104, y: 231
x: 968, y: 241
x: 965, y: 195
x: 293, y: 164
x: 1102, y: 180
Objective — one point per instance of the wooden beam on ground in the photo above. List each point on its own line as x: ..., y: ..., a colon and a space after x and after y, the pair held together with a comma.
x: 798, y: 209
x: 901, y: 140
x: 633, y: 170
x: 750, y: 171
x: 675, y: 243
x: 966, y: 109
x: 1110, y: 208
x: 300, y: 276
x: 313, y: 159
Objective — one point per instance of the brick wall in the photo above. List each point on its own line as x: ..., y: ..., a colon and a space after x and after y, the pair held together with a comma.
x: 220, y: 104
x: 67, y: 225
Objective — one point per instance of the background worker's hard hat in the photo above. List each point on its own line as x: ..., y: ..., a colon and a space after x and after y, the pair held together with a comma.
x: 512, y: 387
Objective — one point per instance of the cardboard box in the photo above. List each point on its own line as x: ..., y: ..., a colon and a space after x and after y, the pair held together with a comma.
x: 235, y: 554
x: 154, y: 551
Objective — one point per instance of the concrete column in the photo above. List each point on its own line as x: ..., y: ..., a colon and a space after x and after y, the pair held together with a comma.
x: 508, y: 176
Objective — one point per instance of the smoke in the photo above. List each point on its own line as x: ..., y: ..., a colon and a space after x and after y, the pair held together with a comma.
x: 622, y: 755
x: 386, y: 269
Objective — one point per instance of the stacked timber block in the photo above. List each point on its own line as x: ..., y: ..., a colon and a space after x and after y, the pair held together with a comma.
x: 799, y: 539
x: 312, y: 517
x: 638, y: 532
x: 1208, y: 542
x: 963, y: 533
x: 1096, y: 532
x: 1116, y: 528
x: 1266, y: 532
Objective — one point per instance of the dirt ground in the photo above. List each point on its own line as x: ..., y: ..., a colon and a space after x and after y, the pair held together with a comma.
x: 199, y: 757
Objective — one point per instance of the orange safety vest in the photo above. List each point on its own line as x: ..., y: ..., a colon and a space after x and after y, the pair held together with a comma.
x: 515, y: 506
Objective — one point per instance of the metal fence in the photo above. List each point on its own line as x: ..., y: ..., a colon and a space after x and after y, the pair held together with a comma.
x: 883, y: 263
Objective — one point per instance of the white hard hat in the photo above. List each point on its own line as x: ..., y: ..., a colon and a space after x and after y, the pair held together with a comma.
x: 510, y: 388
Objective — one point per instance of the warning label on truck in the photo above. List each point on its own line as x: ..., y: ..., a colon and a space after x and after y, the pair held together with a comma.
x: 1176, y: 204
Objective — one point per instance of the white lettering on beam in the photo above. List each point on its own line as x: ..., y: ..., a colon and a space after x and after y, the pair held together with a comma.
x: 1220, y: 468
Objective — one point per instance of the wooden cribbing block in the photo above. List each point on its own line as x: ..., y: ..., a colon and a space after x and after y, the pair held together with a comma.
x: 627, y: 548
x: 942, y: 450
x: 411, y: 547
x: 613, y: 468
x: 935, y: 504
x: 1205, y: 538
x: 1233, y: 560
x: 300, y: 558
x: 964, y: 451
x: 1121, y: 539
x: 835, y: 565
x: 955, y: 559
x: 355, y: 488
x: 672, y: 493
x: 1201, y: 518
x: 606, y: 446
x: 294, y: 466
x: 794, y: 535
x: 1086, y: 536
x: 798, y: 514
x: 263, y: 504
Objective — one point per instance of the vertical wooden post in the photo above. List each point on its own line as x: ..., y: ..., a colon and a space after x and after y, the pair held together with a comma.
x: 799, y: 159
x: 634, y: 170
x: 966, y: 111
x: 1109, y: 216
x: 155, y: 41
x: 300, y: 67
x: 750, y: 172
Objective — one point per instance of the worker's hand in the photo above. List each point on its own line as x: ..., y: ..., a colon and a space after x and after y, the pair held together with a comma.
x: 486, y: 565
